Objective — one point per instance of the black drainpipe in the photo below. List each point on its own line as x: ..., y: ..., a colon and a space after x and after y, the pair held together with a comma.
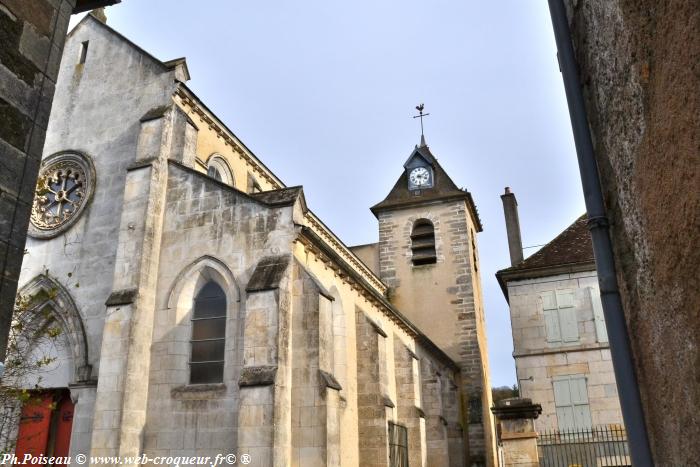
x: 627, y: 387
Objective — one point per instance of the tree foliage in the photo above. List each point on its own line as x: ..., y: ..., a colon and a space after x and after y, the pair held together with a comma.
x: 504, y: 392
x: 32, y: 346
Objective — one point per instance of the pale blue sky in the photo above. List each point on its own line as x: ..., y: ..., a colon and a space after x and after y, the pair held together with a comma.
x: 323, y: 93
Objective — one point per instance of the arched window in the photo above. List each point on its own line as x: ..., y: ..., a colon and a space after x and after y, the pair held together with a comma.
x: 218, y: 169
x: 213, y: 172
x: 208, y: 335
x: 423, y: 242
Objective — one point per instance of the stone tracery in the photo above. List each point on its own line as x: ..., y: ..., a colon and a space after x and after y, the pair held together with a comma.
x: 65, y: 184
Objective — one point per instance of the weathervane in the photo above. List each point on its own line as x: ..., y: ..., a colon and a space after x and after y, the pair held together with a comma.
x: 420, y: 115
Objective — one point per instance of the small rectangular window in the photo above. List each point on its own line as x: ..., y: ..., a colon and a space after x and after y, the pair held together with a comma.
x: 83, y: 51
x: 398, y: 445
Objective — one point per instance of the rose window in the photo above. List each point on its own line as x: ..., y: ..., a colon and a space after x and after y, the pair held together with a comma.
x: 64, y: 186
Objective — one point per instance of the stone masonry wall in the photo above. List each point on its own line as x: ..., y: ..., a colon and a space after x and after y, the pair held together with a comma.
x: 372, y: 422
x: 408, y: 404
x: 538, y: 361
x: 32, y: 33
x: 309, y: 413
x: 640, y: 67
x: 456, y: 289
x: 224, y: 234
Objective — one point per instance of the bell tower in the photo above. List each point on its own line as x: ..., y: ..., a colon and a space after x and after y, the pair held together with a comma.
x: 428, y: 257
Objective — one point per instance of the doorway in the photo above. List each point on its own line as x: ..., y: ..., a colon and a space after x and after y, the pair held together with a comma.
x: 45, y: 426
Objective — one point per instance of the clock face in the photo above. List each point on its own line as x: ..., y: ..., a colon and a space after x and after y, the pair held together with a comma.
x: 420, y: 176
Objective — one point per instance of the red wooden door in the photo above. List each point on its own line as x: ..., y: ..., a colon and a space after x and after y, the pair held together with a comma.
x: 34, y: 426
x: 45, y: 426
x: 64, y: 424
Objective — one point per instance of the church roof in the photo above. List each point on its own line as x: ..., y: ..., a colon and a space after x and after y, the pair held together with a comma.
x: 443, y: 188
x: 570, y: 250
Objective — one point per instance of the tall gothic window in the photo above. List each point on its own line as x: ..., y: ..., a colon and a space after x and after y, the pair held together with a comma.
x: 423, y: 243
x: 208, y: 335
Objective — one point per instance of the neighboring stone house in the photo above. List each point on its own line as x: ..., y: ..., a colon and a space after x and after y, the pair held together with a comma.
x: 561, y: 350
x: 206, y: 310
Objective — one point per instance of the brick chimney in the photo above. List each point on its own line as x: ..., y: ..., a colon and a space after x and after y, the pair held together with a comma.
x: 510, y: 211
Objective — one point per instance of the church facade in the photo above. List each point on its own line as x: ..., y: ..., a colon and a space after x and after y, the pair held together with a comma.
x: 206, y: 310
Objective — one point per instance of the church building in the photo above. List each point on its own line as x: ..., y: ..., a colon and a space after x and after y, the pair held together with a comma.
x: 206, y: 310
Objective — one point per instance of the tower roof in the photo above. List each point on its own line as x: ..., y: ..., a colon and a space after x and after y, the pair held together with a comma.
x: 443, y: 188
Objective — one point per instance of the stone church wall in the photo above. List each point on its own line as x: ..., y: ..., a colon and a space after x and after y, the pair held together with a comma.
x: 79, y: 120
x: 454, y: 287
x: 82, y: 259
x: 295, y: 389
x: 385, y: 379
x: 210, y: 232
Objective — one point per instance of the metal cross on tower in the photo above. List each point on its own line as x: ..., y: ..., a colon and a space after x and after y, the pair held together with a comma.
x: 420, y: 115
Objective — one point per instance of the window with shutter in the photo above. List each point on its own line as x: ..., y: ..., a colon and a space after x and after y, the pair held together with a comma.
x: 598, y: 318
x: 571, y: 402
x: 560, y: 318
x: 551, y: 317
x: 208, y: 335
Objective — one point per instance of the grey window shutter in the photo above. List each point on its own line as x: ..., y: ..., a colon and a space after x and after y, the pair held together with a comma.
x: 598, y: 317
x: 551, y: 317
x: 571, y: 402
x: 549, y: 301
x: 568, y: 319
x: 579, y: 399
x: 562, y: 402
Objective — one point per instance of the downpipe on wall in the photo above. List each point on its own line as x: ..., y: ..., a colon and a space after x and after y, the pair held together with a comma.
x: 618, y: 336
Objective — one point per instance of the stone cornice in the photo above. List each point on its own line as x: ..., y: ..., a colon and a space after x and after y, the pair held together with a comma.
x: 418, y: 202
x: 506, y: 275
x: 330, y: 238
x: 189, y: 100
x: 314, y: 244
x: 562, y: 350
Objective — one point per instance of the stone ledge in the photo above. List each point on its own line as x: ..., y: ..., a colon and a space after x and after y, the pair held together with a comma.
x: 329, y: 381
x: 377, y: 327
x: 142, y: 163
x: 263, y: 375
x: 516, y: 408
x: 122, y: 297
x: 526, y: 435
x: 198, y: 391
x: 155, y: 113
x: 387, y: 401
x: 268, y: 274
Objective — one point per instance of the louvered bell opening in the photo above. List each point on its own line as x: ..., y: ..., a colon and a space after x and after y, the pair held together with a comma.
x: 423, y: 243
